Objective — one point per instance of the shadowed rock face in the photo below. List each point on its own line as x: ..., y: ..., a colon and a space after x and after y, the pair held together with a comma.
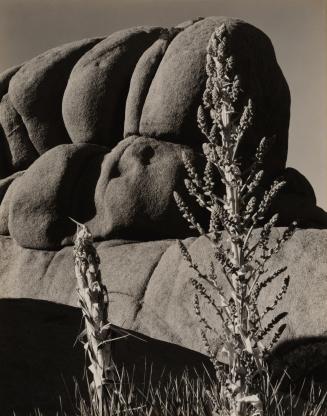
x: 39, y: 364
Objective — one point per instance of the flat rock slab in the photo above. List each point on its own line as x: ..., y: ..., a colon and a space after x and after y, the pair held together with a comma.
x: 149, y: 285
x: 150, y: 293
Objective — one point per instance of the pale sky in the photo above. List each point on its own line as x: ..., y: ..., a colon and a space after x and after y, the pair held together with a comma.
x: 297, y: 28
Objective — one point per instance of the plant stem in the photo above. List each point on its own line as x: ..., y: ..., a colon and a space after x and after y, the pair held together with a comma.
x: 93, y: 300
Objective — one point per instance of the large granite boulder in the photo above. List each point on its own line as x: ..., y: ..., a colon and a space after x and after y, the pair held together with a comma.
x: 138, y: 84
x: 144, y: 81
x: 126, y: 192
x: 95, y: 130
x: 36, y: 92
x: 94, y: 100
x: 19, y: 152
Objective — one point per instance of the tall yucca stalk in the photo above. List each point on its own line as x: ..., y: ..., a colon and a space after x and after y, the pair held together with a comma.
x: 224, y: 118
x: 93, y: 300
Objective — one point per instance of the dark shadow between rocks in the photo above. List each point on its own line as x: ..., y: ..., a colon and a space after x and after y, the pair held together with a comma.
x: 83, y: 207
x: 37, y: 354
x: 305, y: 362
x: 40, y: 358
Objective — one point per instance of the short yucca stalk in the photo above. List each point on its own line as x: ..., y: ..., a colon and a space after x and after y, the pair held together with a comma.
x: 93, y: 300
x: 224, y: 118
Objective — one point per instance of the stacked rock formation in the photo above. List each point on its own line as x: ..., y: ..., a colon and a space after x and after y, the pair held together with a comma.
x: 105, y: 120
x: 95, y: 130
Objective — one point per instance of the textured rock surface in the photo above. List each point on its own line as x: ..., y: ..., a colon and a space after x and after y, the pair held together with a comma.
x: 20, y: 152
x: 104, y: 96
x: 44, y: 195
x: 94, y: 100
x: 5, y: 78
x: 7, y: 187
x: 142, y: 77
x: 144, y: 80
x: 150, y: 293
x: 36, y: 92
x: 5, y: 167
x: 5, y: 183
x: 297, y: 202
x: 176, y: 91
x: 149, y: 284
x: 137, y: 200
x: 127, y: 192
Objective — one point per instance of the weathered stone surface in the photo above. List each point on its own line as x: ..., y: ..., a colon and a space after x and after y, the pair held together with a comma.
x: 4, y: 171
x: 5, y: 183
x: 109, y: 83
x: 297, y: 202
x: 44, y: 195
x: 127, y: 193
x: 187, y: 23
x: 36, y: 92
x: 137, y: 202
x: 308, y: 282
x: 143, y: 74
x: 5, y: 78
x: 20, y: 152
x: 176, y: 91
x: 147, y: 80
x: 7, y: 186
x: 94, y: 99
x: 149, y: 283
x: 177, y: 87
